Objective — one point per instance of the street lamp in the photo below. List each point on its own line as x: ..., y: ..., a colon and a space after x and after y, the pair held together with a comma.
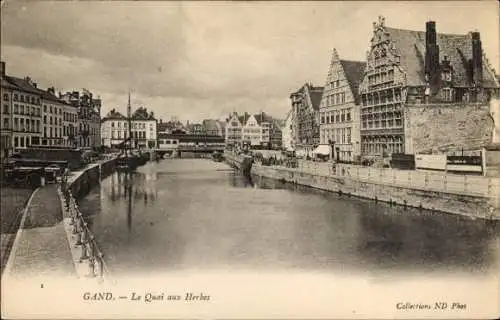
x: 331, y: 143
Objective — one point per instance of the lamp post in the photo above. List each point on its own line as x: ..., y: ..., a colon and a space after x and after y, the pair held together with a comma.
x: 332, y: 148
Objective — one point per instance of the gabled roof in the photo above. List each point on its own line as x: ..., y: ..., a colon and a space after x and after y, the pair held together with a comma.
x: 8, y: 85
x: 354, y: 71
x: 114, y: 115
x: 244, y: 118
x: 310, y: 93
x: 212, y: 125
x: 411, y: 47
x: 316, y: 97
x: 22, y: 84
x: 262, y: 117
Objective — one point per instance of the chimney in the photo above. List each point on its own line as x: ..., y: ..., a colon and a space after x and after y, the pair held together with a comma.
x: 51, y: 90
x: 431, y: 53
x: 2, y: 68
x: 477, y: 59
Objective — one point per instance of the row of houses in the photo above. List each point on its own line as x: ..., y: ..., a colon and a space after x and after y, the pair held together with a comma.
x: 147, y: 132
x: 32, y: 117
x: 411, y: 83
x: 257, y: 130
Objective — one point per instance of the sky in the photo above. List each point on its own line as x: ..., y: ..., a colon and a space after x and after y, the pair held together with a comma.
x: 199, y: 60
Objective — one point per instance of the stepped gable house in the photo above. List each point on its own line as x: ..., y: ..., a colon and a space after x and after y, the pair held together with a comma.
x: 339, y: 109
x: 406, y: 67
x: 305, y: 105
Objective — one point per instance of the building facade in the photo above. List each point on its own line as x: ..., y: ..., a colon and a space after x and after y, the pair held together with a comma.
x: 339, y: 109
x: 53, y: 115
x: 115, y: 130
x: 6, y: 129
x: 276, y: 135
x: 417, y: 67
x: 305, y: 103
x: 234, y: 127
x: 89, y: 117
x: 286, y: 132
x: 26, y: 113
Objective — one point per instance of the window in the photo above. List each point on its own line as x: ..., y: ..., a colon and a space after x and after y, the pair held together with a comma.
x: 447, y: 94
x: 5, y: 97
x: 5, y: 123
x: 349, y: 116
x: 6, y: 108
x: 15, y: 97
x: 22, y: 141
x: 21, y: 109
x: 50, y: 130
x: 22, y: 98
x: 32, y: 100
x: 446, y: 76
x: 50, y: 120
x: 45, y: 119
x: 44, y: 108
x: 50, y: 109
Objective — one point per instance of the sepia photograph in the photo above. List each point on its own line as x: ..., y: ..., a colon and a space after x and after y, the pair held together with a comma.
x: 250, y: 159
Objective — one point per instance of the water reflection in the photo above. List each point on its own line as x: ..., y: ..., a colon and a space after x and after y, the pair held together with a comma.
x: 154, y: 220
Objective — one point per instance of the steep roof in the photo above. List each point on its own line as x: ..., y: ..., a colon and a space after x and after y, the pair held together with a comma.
x: 22, y: 84
x: 212, y: 125
x: 114, y: 115
x: 354, y: 71
x: 262, y: 117
x: 316, y: 93
x: 8, y: 85
x: 243, y: 119
x: 411, y: 46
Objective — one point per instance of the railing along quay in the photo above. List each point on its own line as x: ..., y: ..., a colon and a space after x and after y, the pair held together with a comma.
x: 82, y: 236
x: 440, y: 182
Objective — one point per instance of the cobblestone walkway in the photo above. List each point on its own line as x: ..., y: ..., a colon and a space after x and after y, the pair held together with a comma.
x: 42, y: 249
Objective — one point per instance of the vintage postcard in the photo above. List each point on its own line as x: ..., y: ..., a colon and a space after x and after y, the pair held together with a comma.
x: 250, y: 160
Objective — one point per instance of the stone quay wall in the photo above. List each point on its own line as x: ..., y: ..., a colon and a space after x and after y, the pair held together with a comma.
x: 475, y: 197
x: 240, y: 162
x: 91, y: 176
x: 475, y: 205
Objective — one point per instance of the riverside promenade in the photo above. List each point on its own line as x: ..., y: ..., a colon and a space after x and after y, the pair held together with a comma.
x: 40, y: 248
x: 43, y: 246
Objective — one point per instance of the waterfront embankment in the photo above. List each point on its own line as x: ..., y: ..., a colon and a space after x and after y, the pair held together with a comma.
x: 41, y: 248
x: 472, y: 196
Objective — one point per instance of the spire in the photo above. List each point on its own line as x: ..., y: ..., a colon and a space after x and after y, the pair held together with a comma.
x: 335, y: 55
x: 129, y: 107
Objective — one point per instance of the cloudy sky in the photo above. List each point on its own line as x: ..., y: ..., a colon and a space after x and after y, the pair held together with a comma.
x: 198, y: 60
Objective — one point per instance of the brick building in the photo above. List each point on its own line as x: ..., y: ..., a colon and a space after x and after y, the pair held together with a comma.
x: 406, y: 67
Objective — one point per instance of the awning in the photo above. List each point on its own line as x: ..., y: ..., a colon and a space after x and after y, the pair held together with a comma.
x: 322, y: 149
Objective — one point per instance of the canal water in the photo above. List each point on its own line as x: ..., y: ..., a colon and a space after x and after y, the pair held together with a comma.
x: 201, y: 216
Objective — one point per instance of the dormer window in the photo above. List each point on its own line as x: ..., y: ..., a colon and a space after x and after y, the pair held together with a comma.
x: 446, y: 75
